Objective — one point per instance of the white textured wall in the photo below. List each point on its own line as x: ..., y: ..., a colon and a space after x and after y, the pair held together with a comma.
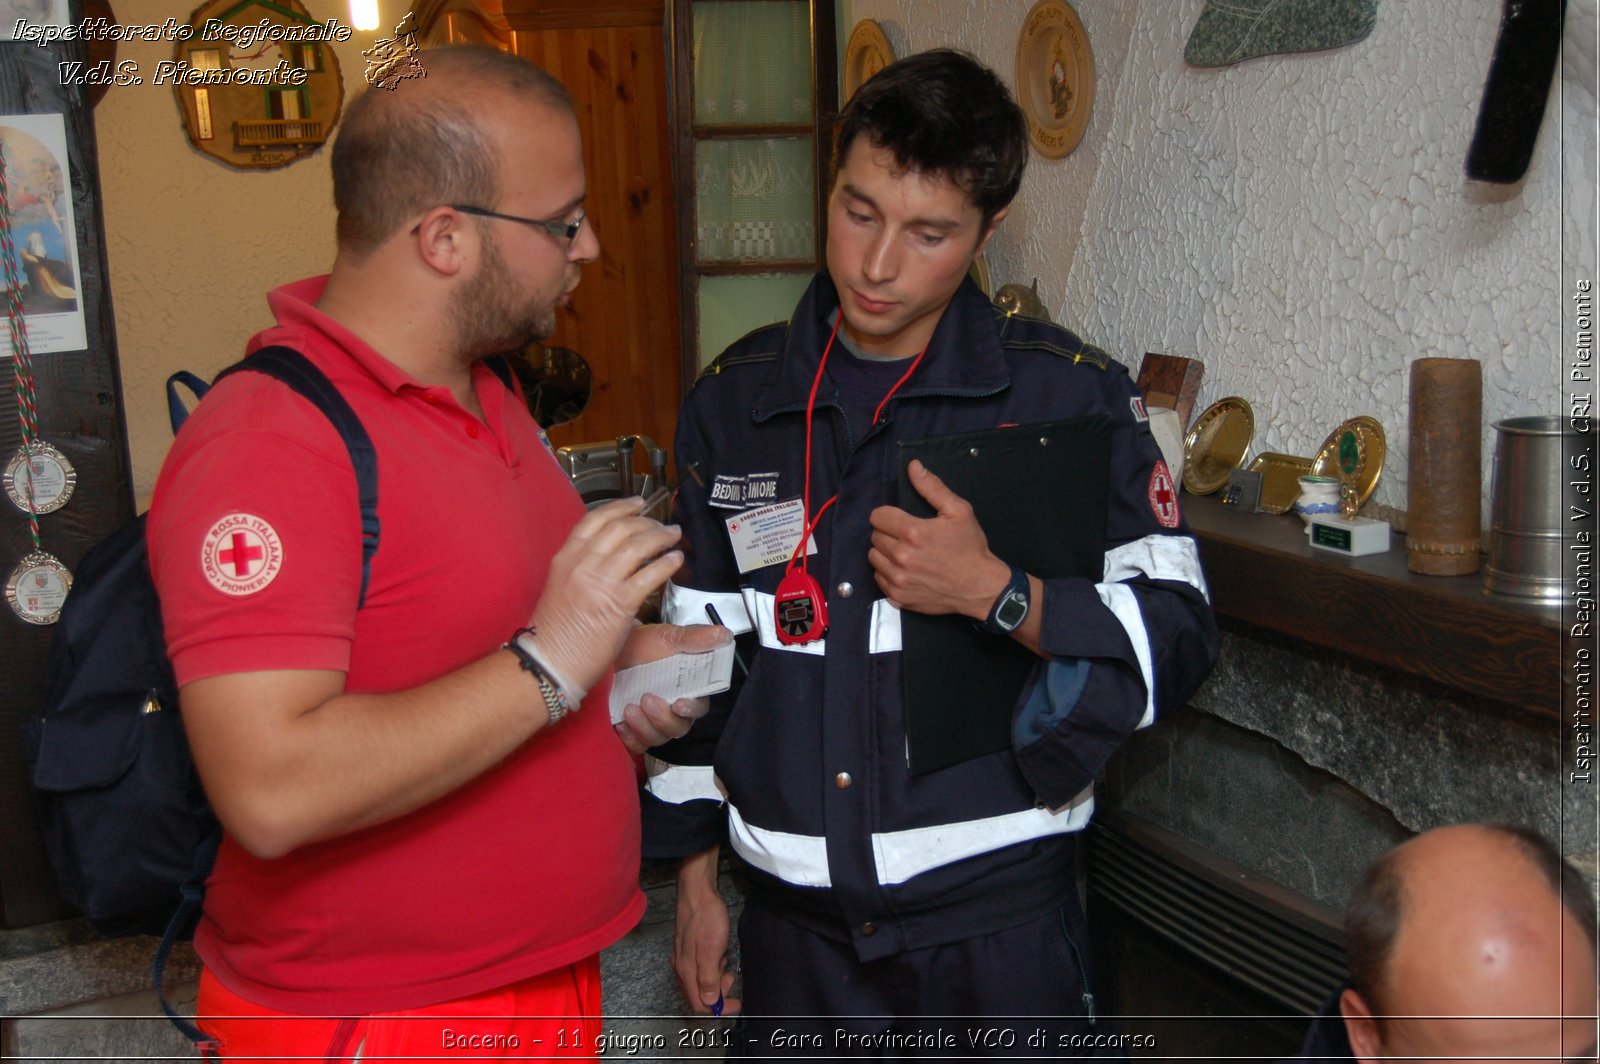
x: 193, y: 244
x: 1300, y: 223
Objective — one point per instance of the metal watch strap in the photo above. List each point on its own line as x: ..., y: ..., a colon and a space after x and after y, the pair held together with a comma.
x: 555, y: 700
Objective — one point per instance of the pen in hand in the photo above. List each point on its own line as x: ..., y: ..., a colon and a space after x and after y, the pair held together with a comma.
x: 657, y: 497
x: 711, y: 611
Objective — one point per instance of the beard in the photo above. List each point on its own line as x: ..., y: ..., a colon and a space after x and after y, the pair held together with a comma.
x: 490, y: 317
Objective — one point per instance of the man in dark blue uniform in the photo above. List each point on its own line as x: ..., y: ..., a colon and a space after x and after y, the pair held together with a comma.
x: 882, y: 899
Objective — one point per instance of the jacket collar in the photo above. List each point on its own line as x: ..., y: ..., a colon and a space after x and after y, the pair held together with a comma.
x: 965, y: 357
x: 1326, y: 1038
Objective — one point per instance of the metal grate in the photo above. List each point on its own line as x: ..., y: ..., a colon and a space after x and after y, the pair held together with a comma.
x: 1272, y: 940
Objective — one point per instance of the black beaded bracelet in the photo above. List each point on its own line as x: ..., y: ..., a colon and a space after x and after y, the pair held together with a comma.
x: 555, y: 699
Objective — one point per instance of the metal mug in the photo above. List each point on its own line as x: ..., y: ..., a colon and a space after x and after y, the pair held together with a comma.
x: 1530, y: 530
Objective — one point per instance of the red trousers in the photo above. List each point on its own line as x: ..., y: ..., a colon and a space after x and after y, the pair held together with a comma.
x: 552, y: 1016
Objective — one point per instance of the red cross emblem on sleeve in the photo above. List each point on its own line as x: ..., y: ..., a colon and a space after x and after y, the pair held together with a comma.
x: 241, y: 554
x: 1163, y: 496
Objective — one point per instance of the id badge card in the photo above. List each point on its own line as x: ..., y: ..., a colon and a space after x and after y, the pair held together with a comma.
x: 768, y: 536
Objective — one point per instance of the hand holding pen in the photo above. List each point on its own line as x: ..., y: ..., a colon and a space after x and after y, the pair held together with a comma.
x: 711, y: 611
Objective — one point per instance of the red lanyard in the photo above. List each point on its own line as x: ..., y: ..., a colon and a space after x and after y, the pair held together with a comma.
x: 801, y: 609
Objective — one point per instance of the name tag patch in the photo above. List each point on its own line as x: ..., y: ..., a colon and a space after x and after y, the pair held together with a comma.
x: 743, y: 492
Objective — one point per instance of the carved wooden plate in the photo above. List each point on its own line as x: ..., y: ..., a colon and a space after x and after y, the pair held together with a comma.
x: 866, y: 53
x: 1055, y: 77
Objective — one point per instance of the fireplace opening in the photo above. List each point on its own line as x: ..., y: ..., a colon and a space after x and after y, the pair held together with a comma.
x: 1208, y: 957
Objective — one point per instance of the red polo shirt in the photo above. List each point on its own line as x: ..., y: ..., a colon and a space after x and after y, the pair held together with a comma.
x: 254, y: 538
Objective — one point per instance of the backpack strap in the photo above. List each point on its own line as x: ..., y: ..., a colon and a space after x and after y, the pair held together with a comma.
x: 177, y: 410
x: 193, y: 893
x: 302, y: 375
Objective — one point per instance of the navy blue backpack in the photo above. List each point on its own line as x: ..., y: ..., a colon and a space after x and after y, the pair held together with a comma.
x: 126, y: 824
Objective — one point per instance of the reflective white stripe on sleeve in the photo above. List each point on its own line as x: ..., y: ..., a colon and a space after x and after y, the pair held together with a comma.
x: 883, y: 637
x: 1159, y: 558
x: 798, y: 859
x: 682, y: 783
x: 900, y: 855
x: 1120, y: 600
x: 685, y: 605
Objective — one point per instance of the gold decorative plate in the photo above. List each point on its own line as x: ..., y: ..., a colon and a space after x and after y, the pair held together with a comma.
x: 979, y: 272
x: 1372, y: 448
x: 1055, y: 77
x: 866, y: 53
x: 1216, y: 444
x: 1280, y: 479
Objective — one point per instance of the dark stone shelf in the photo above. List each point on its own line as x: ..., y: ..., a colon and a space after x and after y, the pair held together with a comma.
x: 1447, y: 629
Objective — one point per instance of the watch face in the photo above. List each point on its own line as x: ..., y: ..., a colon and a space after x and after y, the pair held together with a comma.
x: 1012, y: 610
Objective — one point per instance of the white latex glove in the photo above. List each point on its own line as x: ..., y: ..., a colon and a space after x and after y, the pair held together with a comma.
x: 652, y: 720
x: 598, y: 580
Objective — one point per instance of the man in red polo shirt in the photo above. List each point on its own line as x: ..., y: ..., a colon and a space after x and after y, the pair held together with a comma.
x: 431, y: 826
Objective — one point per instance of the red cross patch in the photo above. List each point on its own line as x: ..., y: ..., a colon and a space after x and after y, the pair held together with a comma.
x: 241, y: 554
x: 1163, y: 496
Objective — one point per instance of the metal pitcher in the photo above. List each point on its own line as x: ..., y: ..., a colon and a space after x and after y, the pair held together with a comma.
x: 1532, y: 530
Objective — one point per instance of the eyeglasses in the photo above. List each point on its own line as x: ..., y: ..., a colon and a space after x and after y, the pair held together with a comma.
x: 563, y: 229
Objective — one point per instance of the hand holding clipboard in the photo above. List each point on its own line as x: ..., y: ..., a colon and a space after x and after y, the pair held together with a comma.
x: 1039, y: 493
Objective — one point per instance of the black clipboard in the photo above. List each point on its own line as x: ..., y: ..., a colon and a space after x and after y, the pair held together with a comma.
x: 1039, y: 492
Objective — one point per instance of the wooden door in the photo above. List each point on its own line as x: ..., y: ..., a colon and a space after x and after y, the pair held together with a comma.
x: 611, y: 55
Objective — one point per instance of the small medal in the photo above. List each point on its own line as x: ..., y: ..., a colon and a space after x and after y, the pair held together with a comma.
x: 37, y: 588
x: 801, y: 611
x: 46, y: 471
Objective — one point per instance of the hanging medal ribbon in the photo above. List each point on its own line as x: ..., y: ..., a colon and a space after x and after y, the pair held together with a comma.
x: 39, y: 479
x: 38, y: 586
x: 800, y: 608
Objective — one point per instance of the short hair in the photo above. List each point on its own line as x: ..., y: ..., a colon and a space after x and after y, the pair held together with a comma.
x: 1372, y: 918
x: 942, y: 113
x: 1371, y: 921
x: 1565, y: 880
x: 400, y: 151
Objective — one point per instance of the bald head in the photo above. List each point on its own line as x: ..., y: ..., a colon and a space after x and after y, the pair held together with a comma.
x: 429, y: 141
x: 1470, y: 921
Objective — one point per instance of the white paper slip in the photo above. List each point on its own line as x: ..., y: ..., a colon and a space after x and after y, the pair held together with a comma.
x: 672, y: 678
x: 767, y: 536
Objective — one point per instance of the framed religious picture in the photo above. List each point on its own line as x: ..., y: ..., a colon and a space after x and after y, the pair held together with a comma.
x: 43, y: 242
x: 31, y: 18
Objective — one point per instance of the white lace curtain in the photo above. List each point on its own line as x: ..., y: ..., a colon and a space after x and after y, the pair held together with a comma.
x: 752, y: 66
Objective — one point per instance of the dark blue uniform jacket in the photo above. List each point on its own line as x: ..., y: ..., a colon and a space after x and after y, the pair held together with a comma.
x: 810, y: 750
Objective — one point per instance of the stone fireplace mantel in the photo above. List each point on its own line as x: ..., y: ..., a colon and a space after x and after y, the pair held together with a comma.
x: 1448, y: 630
x: 1354, y: 703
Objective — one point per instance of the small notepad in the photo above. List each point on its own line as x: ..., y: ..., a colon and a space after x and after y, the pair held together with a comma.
x: 672, y: 678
